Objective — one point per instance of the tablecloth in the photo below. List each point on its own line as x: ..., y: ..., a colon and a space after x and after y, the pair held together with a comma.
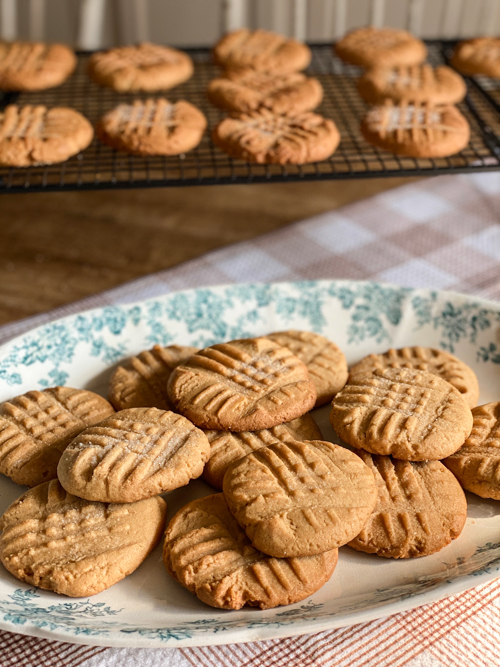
x: 442, y: 233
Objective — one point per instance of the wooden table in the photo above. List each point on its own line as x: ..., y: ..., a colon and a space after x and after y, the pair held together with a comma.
x: 59, y: 247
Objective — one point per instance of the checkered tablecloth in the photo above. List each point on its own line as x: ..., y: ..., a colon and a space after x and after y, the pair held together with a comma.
x: 442, y: 233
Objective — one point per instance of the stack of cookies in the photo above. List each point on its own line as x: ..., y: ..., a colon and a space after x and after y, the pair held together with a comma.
x: 269, y: 101
x: 414, y: 112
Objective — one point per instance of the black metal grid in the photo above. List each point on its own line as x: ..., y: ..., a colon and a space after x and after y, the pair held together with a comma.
x: 100, y: 167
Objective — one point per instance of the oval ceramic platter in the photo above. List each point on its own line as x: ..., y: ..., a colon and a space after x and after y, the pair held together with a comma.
x: 150, y: 609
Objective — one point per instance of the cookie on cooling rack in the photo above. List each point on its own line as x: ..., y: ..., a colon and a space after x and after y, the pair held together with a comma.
x: 261, y: 50
x: 36, y: 427
x: 380, y: 47
x: 420, y: 129
x: 410, y: 414
x: 476, y: 464
x: 34, y: 65
x: 478, y: 56
x: 247, y: 90
x: 446, y: 365
x: 145, y: 67
x: 226, y: 447
x: 35, y: 135
x: 412, y: 83
x: 152, y: 127
x: 420, y: 508
x: 133, y: 455
x: 141, y: 381
x: 268, y: 138
x: 300, y: 498
x: 56, y: 541
x: 208, y: 553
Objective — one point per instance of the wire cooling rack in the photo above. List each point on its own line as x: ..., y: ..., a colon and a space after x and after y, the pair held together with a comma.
x: 100, y: 167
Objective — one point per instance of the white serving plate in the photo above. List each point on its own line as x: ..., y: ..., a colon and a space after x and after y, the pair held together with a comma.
x: 149, y: 609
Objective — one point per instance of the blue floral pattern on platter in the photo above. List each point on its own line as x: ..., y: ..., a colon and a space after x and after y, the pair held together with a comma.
x: 362, y: 318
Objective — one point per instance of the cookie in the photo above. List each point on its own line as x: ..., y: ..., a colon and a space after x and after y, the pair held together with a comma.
x: 227, y: 447
x: 34, y: 65
x: 380, y: 47
x: 244, y: 91
x: 61, y: 543
x: 421, y: 130
x: 412, y: 83
x: 207, y: 552
x: 152, y: 127
x: 405, y: 412
x: 141, y: 381
x: 441, y: 363
x: 478, y: 56
x: 133, y: 455
x: 300, y: 498
x: 34, y: 135
x: 261, y: 50
x: 476, y: 464
x: 420, y: 509
x: 243, y: 385
x: 145, y: 67
x: 324, y: 360
x: 269, y: 138
x: 36, y: 427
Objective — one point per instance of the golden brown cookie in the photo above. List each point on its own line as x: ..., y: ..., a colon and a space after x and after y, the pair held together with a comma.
x: 243, y: 385
x: 208, y: 553
x: 141, y: 381
x: 324, y: 360
x: 478, y: 56
x: 417, y: 130
x: 33, y: 135
x: 476, y: 464
x: 412, y: 83
x: 420, y: 508
x: 243, y: 91
x: 145, y: 67
x: 261, y: 50
x: 380, y: 47
x: 36, y: 427
x: 408, y: 413
x: 441, y: 363
x: 34, y: 65
x: 269, y: 138
x: 132, y: 455
x: 227, y: 447
x: 152, y: 127
x: 300, y: 498
x: 56, y: 541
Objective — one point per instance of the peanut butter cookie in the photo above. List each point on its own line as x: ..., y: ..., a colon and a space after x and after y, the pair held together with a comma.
x: 56, y: 541
x: 380, y: 47
x: 408, y: 413
x: 261, y: 50
x: 421, y: 129
x: 441, y: 363
x: 34, y: 65
x: 33, y: 135
x: 227, y: 447
x: 268, y: 138
x: 476, y: 464
x: 132, y: 455
x: 152, y: 127
x: 141, y: 381
x: 324, y: 360
x: 420, y: 508
x: 243, y: 385
x: 300, y: 498
x: 208, y: 553
x: 145, y: 67
x: 36, y: 427
x: 478, y: 56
